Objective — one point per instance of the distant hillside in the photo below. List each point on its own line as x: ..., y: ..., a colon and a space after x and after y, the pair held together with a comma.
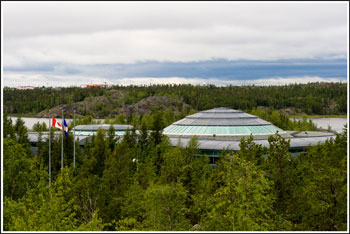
x: 96, y: 106
x: 112, y: 104
x: 311, y: 99
x: 151, y: 104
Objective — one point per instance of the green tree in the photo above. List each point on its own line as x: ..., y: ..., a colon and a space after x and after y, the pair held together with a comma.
x: 280, y: 169
x: 243, y: 202
x: 44, y: 209
x: 95, y: 224
x: 8, y: 127
x: 251, y: 151
x: 165, y: 208
x: 98, y: 153
x: 111, y: 138
x: 133, y: 206
x: 157, y: 128
x: 115, y: 181
x: 87, y: 195
x: 40, y: 127
x: 21, y: 134
x: 322, y: 196
x: 171, y: 169
x: 21, y: 171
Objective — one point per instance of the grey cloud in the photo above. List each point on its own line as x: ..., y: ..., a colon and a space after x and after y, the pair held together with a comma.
x: 219, y: 69
x: 40, y: 18
x: 172, y: 45
x: 62, y: 36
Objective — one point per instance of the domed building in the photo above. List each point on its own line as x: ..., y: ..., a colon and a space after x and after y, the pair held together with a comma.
x: 222, y: 128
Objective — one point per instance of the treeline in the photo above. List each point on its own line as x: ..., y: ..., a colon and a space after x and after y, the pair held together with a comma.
x: 144, y: 183
x: 312, y: 98
x: 282, y: 120
x: 146, y: 121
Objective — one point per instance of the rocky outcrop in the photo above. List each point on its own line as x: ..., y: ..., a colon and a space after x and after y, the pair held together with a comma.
x: 95, y: 106
x: 112, y: 105
x: 150, y: 104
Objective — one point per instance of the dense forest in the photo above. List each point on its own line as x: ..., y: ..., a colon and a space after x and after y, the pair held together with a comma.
x: 312, y: 98
x: 144, y: 183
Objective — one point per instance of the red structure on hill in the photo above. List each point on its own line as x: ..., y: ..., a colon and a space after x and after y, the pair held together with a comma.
x: 93, y: 85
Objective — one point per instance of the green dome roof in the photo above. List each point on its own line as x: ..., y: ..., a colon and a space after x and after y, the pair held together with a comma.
x: 221, y: 122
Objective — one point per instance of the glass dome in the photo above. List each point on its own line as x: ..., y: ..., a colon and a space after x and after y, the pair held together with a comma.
x: 221, y: 122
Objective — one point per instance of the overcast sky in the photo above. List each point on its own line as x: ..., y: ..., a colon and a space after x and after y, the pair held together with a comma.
x: 77, y: 43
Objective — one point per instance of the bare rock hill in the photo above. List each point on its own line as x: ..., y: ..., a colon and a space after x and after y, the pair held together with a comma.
x: 96, y: 106
x: 113, y: 104
x: 150, y: 104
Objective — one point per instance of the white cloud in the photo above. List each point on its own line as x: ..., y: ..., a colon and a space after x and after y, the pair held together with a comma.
x: 219, y: 82
x: 172, y: 45
x: 38, y: 80
x: 123, y: 32
x: 73, y: 17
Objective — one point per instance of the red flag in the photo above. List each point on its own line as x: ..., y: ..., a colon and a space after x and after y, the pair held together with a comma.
x: 56, y: 124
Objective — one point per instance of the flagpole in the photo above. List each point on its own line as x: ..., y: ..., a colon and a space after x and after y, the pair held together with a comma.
x: 74, y: 140
x: 62, y: 143
x: 49, y: 150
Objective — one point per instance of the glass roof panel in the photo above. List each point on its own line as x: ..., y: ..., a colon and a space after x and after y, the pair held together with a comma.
x: 221, y: 130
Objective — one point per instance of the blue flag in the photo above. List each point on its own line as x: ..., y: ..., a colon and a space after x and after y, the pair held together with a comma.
x: 65, y: 128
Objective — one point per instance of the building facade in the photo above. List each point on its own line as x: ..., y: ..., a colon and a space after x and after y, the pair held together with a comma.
x: 222, y: 129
